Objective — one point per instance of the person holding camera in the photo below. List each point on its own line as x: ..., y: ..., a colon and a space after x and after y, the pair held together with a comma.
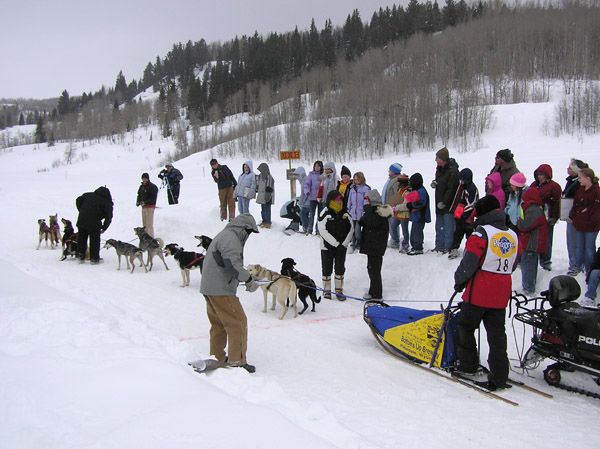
x: 146, y: 198
x: 171, y: 177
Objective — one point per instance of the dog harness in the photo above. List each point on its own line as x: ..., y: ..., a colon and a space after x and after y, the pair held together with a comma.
x: 197, y: 258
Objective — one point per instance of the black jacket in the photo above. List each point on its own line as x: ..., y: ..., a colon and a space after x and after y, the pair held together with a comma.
x: 375, y: 228
x: 447, y: 180
x: 94, y: 207
x: 146, y: 195
x: 225, y: 179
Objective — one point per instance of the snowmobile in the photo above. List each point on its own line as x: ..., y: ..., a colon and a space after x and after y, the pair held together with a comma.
x: 565, y: 332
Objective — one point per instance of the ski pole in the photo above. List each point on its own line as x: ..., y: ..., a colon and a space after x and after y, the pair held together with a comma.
x: 442, y: 330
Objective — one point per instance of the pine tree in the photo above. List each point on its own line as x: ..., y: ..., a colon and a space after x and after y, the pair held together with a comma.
x: 121, y: 88
x: 315, y: 49
x: 64, y: 103
x: 21, y: 119
x: 328, y: 44
x: 40, y: 132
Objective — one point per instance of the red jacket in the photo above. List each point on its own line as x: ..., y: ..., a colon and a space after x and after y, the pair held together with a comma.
x: 483, y: 288
x: 586, y: 209
x: 533, y: 226
x: 550, y: 191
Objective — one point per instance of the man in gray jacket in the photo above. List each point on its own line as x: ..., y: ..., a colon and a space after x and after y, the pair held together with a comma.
x: 222, y: 271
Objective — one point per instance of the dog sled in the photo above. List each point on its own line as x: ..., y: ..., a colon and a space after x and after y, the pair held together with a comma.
x: 414, y: 334
x: 427, y: 340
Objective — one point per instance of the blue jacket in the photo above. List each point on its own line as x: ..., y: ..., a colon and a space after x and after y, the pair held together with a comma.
x: 246, y: 184
x: 356, y: 200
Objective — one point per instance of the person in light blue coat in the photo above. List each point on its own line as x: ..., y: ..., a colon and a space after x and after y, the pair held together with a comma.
x: 303, y: 198
x: 246, y: 188
x: 311, y: 189
x: 356, y: 203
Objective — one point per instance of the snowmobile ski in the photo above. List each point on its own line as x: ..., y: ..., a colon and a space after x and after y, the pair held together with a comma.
x: 462, y: 381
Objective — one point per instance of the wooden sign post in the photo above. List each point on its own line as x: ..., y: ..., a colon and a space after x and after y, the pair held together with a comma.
x: 290, y: 155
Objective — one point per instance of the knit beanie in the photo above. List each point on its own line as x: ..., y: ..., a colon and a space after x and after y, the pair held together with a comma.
x: 416, y: 181
x: 396, y: 168
x: 213, y: 162
x: 374, y: 197
x: 145, y: 176
x: 486, y: 204
x: 505, y: 155
x: 518, y: 180
x: 443, y: 154
x: 345, y: 171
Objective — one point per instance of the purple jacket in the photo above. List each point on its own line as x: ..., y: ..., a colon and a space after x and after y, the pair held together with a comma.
x: 356, y: 200
x: 311, y: 185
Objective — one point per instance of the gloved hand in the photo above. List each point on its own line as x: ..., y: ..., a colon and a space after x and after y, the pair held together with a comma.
x: 551, y: 221
x: 441, y: 205
x: 459, y: 287
x: 251, y: 285
x: 137, y: 203
x: 433, y: 184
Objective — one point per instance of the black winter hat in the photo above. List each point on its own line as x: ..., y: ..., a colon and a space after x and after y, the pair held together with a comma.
x: 345, y: 171
x: 145, y: 176
x: 505, y: 155
x: 466, y: 176
x: 486, y: 204
x: 213, y: 162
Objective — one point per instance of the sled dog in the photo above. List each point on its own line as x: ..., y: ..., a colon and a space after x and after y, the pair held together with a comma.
x: 131, y: 253
x: 205, y: 241
x: 69, y: 241
x: 154, y: 246
x: 187, y: 260
x: 281, y: 287
x: 305, y: 285
x: 43, y: 232
x: 54, y: 230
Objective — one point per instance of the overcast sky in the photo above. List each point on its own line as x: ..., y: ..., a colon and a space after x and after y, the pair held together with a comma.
x: 79, y: 45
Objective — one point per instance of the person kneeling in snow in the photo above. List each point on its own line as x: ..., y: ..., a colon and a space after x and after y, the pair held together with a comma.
x: 486, y: 271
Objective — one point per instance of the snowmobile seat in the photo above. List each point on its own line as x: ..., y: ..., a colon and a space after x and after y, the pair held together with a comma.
x: 562, y: 289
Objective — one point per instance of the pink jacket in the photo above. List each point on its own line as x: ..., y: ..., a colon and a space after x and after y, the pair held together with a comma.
x: 496, y: 190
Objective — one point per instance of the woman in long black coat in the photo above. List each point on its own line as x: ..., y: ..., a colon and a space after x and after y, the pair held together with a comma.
x: 375, y: 228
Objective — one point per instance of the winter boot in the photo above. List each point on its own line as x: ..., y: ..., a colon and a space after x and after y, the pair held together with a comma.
x: 339, y: 287
x: 327, y: 287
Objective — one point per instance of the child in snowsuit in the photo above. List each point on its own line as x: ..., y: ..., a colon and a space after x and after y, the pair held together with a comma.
x: 513, y: 208
x: 336, y: 230
x: 374, y: 224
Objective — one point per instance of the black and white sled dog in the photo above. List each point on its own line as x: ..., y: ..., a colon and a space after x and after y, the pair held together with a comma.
x: 131, y: 253
x: 205, y: 241
x: 187, y: 261
x: 154, y: 246
x: 305, y: 285
x: 69, y: 239
x: 282, y: 288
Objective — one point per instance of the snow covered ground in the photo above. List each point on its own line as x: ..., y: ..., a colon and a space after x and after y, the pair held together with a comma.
x: 97, y: 358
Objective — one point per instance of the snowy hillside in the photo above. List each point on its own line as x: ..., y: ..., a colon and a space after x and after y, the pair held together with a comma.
x: 97, y: 358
